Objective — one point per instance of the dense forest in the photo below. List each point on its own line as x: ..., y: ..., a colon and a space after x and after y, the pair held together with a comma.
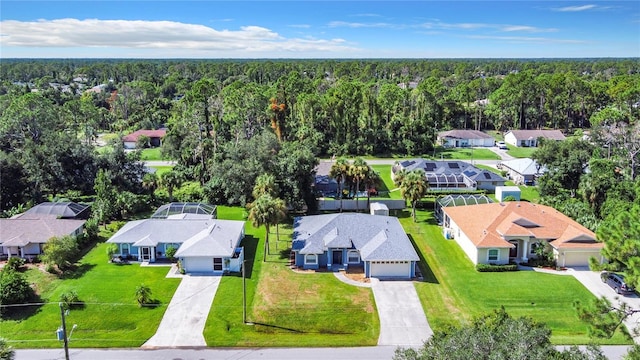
x: 231, y: 121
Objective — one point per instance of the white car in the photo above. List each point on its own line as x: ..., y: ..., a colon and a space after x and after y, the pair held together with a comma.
x: 502, y: 145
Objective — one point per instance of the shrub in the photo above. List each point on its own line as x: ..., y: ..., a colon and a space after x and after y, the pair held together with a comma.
x: 496, y: 268
x: 111, y: 250
x: 14, y: 264
x: 60, y: 251
x: 70, y: 299
x: 6, y: 351
x: 14, y: 288
x: 171, y: 252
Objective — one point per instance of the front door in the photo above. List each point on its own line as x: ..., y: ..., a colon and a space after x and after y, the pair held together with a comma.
x: 337, y: 257
x: 513, y: 252
x: 146, y: 253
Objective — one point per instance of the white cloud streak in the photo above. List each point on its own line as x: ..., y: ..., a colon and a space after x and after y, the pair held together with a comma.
x: 438, y: 25
x: 526, y: 39
x: 139, y: 34
x: 576, y: 8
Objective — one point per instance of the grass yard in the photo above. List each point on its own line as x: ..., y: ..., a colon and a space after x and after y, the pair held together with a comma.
x: 453, y: 292
x: 110, y: 316
x: 464, y: 154
x: 152, y: 154
x: 520, y: 152
x: 287, y: 308
x: 162, y: 169
x: 387, y: 189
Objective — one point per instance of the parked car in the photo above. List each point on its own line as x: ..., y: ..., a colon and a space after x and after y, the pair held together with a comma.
x: 502, y: 145
x: 617, y: 283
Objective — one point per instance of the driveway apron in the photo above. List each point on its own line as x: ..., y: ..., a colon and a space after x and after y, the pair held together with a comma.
x: 402, y: 319
x: 183, y: 321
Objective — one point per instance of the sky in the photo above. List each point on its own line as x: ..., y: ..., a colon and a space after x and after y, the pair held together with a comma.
x: 218, y: 29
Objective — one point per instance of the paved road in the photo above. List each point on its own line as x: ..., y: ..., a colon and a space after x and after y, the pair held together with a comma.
x: 402, y: 319
x: 370, y: 353
x: 185, y: 317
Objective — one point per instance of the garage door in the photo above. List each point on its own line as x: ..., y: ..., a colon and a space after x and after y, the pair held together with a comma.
x: 198, y: 264
x: 579, y: 258
x: 391, y: 269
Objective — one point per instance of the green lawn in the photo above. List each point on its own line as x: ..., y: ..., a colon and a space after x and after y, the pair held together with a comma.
x: 387, y: 189
x: 152, y: 154
x: 453, y: 292
x: 464, y: 154
x: 110, y: 317
x: 162, y: 169
x: 287, y: 308
x: 520, y: 152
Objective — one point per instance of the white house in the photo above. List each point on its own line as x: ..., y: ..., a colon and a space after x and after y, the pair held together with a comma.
x: 465, y: 138
x: 529, y: 138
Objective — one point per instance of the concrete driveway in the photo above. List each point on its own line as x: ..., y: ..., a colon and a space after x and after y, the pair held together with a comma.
x: 591, y: 280
x: 402, y: 319
x: 184, y: 319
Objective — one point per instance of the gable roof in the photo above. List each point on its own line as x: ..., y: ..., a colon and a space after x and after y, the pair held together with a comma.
x: 464, y: 134
x: 65, y: 210
x: 219, y: 239
x: 524, y: 166
x: 20, y: 232
x: 377, y: 237
x: 534, y: 134
x: 487, y: 225
x: 133, y: 137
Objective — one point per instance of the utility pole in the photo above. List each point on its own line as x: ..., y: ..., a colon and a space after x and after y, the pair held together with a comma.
x: 64, y: 332
x: 244, y: 295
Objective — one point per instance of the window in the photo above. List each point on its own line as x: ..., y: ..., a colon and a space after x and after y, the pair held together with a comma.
x: 493, y: 255
x: 353, y: 257
x: 217, y: 264
x: 125, y: 249
x: 311, y: 259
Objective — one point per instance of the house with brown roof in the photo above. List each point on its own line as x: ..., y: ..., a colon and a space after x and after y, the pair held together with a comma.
x: 498, y: 233
x: 465, y: 138
x: 155, y: 138
x: 531, y: 138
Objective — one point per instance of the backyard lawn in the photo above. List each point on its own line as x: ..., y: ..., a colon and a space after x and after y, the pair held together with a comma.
x: 152, y: 154
x: 287, y: 308
x: 453, y: 291
x: 110, y: 316
x: 464, y: 154
x: 520, y: 152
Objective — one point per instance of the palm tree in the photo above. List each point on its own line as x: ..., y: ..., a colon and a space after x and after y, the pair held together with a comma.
x: 280, y: 210
x: 413, y: 187
x: 264, y: 211
x: 143, y: 295
x: 170, y: 180
x: 358, y: 171
x: 398, y: 177
x: 265, y: 184
x: 339, y: 171
x: 372, y: 180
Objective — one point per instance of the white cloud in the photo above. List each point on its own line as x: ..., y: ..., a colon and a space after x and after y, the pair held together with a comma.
x: 356, y: 25
x: 139, y: 34
x: 576, y: 8
x: 525, y: 28
x: 300, y: 26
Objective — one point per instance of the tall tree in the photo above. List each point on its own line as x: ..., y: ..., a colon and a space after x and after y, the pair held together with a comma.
x: 264, y: 211
x: 413, y: 187
x: 170, y: 181
x: 339, y: 171
x: 104, y: 205
x: 358, y: 171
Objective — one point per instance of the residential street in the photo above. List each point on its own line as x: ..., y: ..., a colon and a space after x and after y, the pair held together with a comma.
x: 350, y: 353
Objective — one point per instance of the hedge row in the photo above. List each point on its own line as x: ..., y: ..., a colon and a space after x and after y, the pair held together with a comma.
x: 496, y: 268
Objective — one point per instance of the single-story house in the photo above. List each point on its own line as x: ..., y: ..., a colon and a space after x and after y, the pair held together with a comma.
x: 155, y: 138
x: 337, y: 241
x: 25, y: 237
x: 498, y: 233
x: 529, y: 138
x: 523, y: 171
x: 60, y: 210
x: 203, y: 244
x: 465, y: 138
x: 452, y: 175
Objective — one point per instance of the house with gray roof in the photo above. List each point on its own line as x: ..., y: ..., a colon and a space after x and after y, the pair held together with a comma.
x: 465, y: 138
x: 26, y: 237
x: 531, y: 138
x: 203, y: 243
x: 451, y: 175
x: 338, y: 241
x: 522, y: 171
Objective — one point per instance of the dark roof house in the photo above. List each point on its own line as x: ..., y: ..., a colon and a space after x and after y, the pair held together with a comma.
x: 452, y: 175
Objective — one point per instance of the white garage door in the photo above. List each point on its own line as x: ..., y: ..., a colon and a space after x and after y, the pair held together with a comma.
x: 391, y: 269
x: 198, y: 264
x: 578, y: 258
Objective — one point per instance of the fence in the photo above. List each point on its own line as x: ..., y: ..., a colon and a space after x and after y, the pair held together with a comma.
x: 350, y: 205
